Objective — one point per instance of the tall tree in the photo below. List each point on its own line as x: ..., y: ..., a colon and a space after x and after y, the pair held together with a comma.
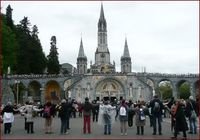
x: 53, y: 66
x: 23, y: 52
x: 9, y: 20
x: 9, y: 45
x: 37, y: 57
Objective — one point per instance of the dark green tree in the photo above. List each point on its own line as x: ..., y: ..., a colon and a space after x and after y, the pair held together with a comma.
x: 184, y: 90
x: 9, y: 45
x: 23, y: 52
x: 165, y: 90
x: 37, y: 56
x: 53, y: 66
x: 9, y: 20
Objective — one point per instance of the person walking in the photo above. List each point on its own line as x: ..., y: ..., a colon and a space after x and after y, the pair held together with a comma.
x: 8, y: 117
x: 156, y: 111
x: 87, y: 109
x: 123, y: 117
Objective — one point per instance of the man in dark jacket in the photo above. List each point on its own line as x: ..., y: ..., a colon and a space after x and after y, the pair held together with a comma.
x: 156, y: 111
x: 87, y: 108
x: 64, y: 116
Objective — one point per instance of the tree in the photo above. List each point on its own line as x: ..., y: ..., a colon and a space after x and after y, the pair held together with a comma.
x: 37, y: 57
x: 184, y: 90
x: 165, y: 90
x: 9, y: 20
x: 31, y: 58
x: 53, y: 66
x: 9, y: 45
x: 23, y: 52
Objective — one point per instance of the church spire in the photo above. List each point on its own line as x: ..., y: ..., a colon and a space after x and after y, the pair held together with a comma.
x: 102, y: 26
x: 126, y: 65
x: 126, y: 51
x: 81, y: 60
x: 102, y: 13
x: 81, y: 53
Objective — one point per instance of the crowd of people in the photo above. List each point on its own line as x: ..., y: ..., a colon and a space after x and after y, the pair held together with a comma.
x: 108, y: 112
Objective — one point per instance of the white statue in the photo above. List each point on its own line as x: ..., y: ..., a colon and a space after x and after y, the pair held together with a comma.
x: 8, y: 71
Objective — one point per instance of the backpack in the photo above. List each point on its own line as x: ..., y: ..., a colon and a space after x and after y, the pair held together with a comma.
x: 141, y: 115
x: 61, y: 112
x: 156, y: 107
x: 46, y: 113
x: 122, y: 111
x: 106, y: 115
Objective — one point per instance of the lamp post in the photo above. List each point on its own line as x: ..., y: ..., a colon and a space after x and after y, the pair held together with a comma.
x: 17, y: 83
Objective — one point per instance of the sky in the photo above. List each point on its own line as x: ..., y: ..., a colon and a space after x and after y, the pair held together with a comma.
x: 162, y: 36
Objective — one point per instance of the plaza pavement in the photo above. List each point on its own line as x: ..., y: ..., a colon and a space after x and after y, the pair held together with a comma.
x: 76, y: 132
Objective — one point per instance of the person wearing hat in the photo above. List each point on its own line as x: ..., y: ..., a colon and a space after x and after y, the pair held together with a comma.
x: 87, y: 109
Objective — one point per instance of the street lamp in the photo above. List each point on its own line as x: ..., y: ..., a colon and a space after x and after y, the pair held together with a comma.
x: 17, y: 83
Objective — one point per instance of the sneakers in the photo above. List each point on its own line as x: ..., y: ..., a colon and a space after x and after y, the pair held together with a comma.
x: 122, y: 134
x: 125, y: 134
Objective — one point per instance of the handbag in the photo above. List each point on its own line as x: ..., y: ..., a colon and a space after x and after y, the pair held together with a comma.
x: 193, y: 113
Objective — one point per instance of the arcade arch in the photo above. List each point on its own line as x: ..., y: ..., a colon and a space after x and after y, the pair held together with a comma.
x: 109, y: 89
x: 34, y: 91
x: 52, y: 91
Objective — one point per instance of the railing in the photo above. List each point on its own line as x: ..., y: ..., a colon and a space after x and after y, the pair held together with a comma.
x: 38, y: 76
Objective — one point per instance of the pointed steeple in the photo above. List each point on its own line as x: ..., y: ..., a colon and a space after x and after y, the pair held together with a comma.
x: 126, y: 51
x: 81, y: 53
x: 102, y: 26
x: 102, y: 13
x: 126, y: 65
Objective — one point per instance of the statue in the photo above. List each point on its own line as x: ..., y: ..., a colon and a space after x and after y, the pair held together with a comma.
x: 8, y: 71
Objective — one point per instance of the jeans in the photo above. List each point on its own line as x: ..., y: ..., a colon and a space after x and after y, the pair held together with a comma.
x: 29, y: 127
x: 193, y: 125
x: 130, y: 120
x: 107, y: 128
x: 155, y: 119
x: 63, y: 128
x: 86, y: 124
x: 7, y: 128
x: 67, y: 122
x: 95, y: 116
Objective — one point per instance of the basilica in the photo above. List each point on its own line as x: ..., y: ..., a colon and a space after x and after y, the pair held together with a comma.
x: 101, y: 80
x: 98, y: 81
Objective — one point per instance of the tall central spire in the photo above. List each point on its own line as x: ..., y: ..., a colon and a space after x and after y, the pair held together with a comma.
x: 102, y: 13
x: 102, y: 55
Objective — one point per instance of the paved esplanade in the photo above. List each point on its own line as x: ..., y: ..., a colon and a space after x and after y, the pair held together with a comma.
x: 76, y: 125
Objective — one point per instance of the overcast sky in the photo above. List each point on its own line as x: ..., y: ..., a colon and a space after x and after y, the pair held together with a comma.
x: 162, y: 36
